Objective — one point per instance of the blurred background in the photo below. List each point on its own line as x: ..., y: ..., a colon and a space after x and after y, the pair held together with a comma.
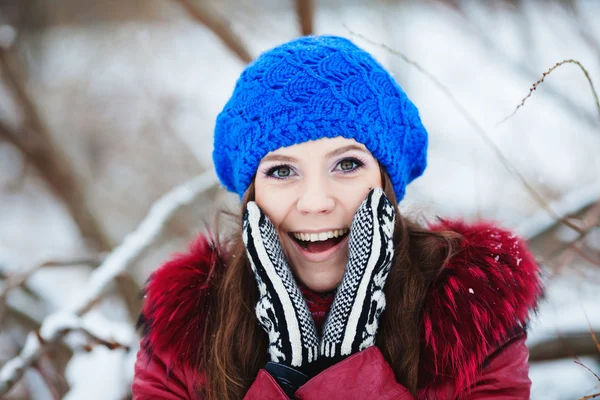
x: 106, y: 116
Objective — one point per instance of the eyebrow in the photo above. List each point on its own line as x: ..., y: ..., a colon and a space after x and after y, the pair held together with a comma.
x: 333, y: 153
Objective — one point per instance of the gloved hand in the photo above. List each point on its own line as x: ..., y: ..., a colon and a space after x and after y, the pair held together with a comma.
x: 281, y: 309
x: 295, y: 350
x: 353, y: 320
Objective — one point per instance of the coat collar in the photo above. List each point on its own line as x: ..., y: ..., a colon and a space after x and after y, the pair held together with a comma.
x: 482, y: 297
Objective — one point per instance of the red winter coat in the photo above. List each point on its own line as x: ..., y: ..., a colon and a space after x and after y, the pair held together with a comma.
x: 473, y: 322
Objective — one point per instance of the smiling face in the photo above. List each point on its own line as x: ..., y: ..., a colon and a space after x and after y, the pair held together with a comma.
x: 311, y: 191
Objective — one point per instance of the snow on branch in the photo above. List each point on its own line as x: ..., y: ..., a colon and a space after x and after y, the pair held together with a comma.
x: 57, y: 325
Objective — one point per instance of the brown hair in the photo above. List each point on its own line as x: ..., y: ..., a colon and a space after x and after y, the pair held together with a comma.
x: 235, y: 346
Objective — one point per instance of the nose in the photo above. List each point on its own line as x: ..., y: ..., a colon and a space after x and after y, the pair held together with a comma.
x: 316, y: 197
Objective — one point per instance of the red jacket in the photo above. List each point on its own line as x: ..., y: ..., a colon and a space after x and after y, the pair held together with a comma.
x: 474, y: 322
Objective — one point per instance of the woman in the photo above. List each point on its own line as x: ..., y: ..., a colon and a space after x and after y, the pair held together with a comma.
x: 325, y: 291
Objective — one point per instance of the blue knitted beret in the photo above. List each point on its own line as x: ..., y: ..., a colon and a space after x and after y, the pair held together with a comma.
x: 315, y: 87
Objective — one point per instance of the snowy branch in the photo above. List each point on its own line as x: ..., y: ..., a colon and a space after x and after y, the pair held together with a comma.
x: 57, y: 325
x: 18, y: 279
x: 34, y: 139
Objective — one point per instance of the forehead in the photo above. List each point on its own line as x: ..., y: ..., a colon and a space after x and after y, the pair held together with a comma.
x: 321, y: 146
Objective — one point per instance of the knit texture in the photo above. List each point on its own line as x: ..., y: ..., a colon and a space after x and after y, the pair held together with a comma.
x: 311, y: 88
x: 354, y: 317
x: 281, y: 309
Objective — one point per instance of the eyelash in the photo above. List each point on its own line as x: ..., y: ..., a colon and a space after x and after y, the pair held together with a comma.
x: 270, y: 173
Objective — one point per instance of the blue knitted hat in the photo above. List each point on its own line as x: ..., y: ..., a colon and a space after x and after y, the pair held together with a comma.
x: 315, y: 87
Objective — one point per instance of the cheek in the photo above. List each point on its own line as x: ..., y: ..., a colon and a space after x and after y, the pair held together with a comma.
x: 353, y: 198
x: 273, y: 203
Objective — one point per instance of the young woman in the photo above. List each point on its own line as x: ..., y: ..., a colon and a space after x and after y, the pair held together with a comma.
x: 325, y: 291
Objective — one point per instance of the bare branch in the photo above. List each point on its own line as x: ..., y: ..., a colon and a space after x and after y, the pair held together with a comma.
x: 16, y: 280
x: 591, y: 396
x: 524, y: 69
x: 55, y: 382
x: 590, y: 220
x: 201, y: 12
x: 305, y: 12
x: 584, y: 366
x: 96, y: 339
x: 592, y: 333
x: 569, y: 345
x: 544, y: 75
x: 117, y: 262
x: 36, y: 143
x: 583, y: 255
x: 479, y: 130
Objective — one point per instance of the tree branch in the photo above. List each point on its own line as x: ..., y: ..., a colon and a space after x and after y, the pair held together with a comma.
x: 570, y: 345
x: 218, y: 25
x: 305, y: 12
x: 135, y: 246
x: 548, y: 72
x: 36, y: 143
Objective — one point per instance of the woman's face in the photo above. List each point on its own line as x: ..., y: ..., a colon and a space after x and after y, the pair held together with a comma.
x: 311, y: 191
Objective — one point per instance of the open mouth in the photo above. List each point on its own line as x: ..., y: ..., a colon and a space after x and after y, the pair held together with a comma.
x: 318, y: 243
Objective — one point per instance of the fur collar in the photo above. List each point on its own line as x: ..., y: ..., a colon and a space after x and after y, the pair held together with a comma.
x: 483, y: 296
x: 482, y: 299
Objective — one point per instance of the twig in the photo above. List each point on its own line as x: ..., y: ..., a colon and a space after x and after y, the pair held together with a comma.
x: 591, y: 220
x: 18, y: 279
x: 133, y: 247
x: 478, y: 129
x: 590, y: 327
x: 544, y: 75
x: 524, y: 69
x: 571, y: 204
x: 591, y: 396
x: 95, y: 339
x: 582, y: 254
x: 580, y: 363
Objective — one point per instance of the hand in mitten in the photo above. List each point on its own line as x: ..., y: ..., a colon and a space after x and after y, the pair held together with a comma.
x: 353, y: 320
x: 281, y: 309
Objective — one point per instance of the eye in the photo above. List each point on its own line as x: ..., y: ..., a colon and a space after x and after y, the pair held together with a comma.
x: 280, y: 172
x: 349, y: 165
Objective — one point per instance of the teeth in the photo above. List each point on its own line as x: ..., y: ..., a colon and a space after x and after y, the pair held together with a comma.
x: 318, y: 237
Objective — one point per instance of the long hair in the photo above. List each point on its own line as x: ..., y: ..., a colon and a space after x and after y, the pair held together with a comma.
x: 235, y: 346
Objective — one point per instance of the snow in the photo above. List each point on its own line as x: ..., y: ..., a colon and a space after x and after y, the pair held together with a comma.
x: 7, y: 36
x: 555, y: 380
